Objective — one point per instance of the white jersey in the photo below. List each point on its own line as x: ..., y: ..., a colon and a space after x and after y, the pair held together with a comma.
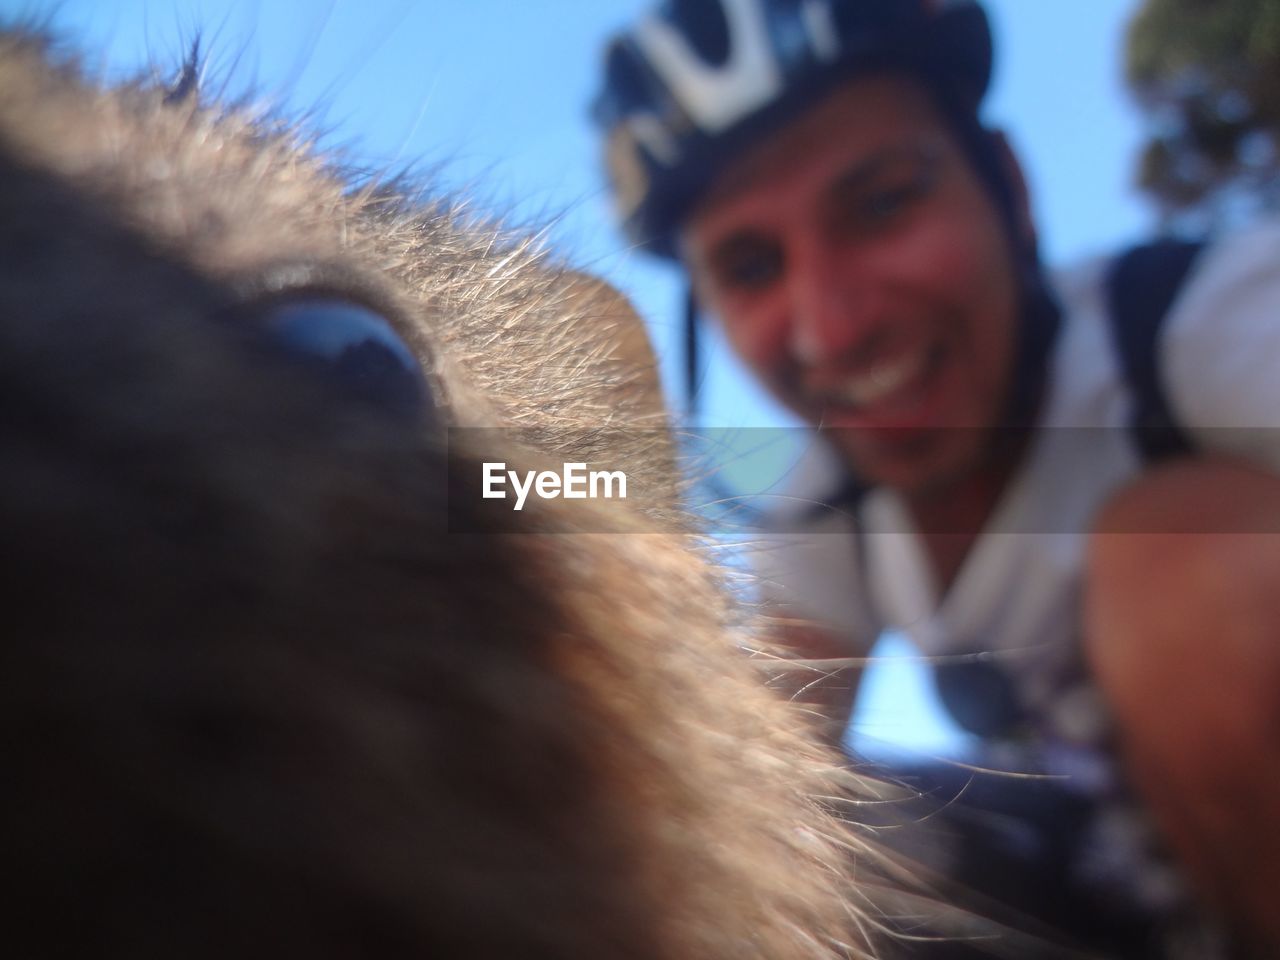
x: 1017, y: 596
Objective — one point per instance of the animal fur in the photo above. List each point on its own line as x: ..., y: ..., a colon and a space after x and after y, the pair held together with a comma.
x: 258, y: 700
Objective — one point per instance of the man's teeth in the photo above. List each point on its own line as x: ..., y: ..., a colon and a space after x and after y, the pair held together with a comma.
x: 878, y: 382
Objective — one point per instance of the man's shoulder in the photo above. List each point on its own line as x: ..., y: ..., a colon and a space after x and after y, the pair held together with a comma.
x: 1222, y: 340
x: 1215, y: 299
x: 1208, y: 350
x: 1234, y: 269
x: 1245, y: 256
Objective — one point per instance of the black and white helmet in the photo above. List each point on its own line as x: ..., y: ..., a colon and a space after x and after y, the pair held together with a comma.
x: 696, y: 82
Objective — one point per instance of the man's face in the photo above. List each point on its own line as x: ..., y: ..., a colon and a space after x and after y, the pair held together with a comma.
x: 863, y: 272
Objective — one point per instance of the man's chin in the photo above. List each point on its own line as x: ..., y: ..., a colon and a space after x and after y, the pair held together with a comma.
x: 916, y: 463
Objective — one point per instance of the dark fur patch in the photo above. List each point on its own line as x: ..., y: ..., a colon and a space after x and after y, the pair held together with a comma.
x: 257, y: 699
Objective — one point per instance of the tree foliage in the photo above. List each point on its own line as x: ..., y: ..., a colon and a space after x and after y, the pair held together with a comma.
x: 1207, y: 74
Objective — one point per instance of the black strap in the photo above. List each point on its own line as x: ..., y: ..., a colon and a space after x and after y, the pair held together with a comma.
x: 1141, y: 287
x: 692, y: 381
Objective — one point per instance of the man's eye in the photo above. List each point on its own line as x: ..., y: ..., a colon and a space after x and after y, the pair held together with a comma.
x: 879, y: 205
x: 748, y: 266
x: 885, y: 204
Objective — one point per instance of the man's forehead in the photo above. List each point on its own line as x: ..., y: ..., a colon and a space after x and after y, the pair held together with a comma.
x: 857, y: 121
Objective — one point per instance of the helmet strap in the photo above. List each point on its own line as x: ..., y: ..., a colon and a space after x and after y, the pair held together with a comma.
x: 692, y: 358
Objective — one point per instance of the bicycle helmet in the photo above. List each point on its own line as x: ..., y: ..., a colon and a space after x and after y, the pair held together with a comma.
x: 697, y: 82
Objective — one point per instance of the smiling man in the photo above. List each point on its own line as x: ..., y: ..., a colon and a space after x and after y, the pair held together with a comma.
x: 871, y: 287
x: 1043, y: 480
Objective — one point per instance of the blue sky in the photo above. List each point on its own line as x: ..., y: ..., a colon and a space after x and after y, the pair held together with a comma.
x: 489, y: 98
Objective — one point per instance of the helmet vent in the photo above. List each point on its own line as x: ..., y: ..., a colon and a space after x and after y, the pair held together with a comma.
x: 704, y: 27
x: 630, y: 88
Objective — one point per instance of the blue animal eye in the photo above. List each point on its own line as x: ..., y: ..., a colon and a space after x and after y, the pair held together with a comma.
x: 353, y: 349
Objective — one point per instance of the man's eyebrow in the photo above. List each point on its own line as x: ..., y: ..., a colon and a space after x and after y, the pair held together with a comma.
x: 865, y: 170
x: 860, y: 170
x: 859, y: 174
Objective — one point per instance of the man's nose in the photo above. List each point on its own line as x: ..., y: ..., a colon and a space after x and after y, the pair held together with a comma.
x: 835, y: 309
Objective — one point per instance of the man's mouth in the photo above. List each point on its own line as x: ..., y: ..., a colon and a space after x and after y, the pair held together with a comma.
x: 885, y: 392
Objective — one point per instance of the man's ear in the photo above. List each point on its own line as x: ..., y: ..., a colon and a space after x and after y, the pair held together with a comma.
x: 1024, y: 222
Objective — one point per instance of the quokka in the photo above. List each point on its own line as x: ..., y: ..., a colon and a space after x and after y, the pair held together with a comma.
x: 269, y: 689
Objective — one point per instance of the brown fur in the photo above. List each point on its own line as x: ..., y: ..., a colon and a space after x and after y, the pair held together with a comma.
x: 258, y: 701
